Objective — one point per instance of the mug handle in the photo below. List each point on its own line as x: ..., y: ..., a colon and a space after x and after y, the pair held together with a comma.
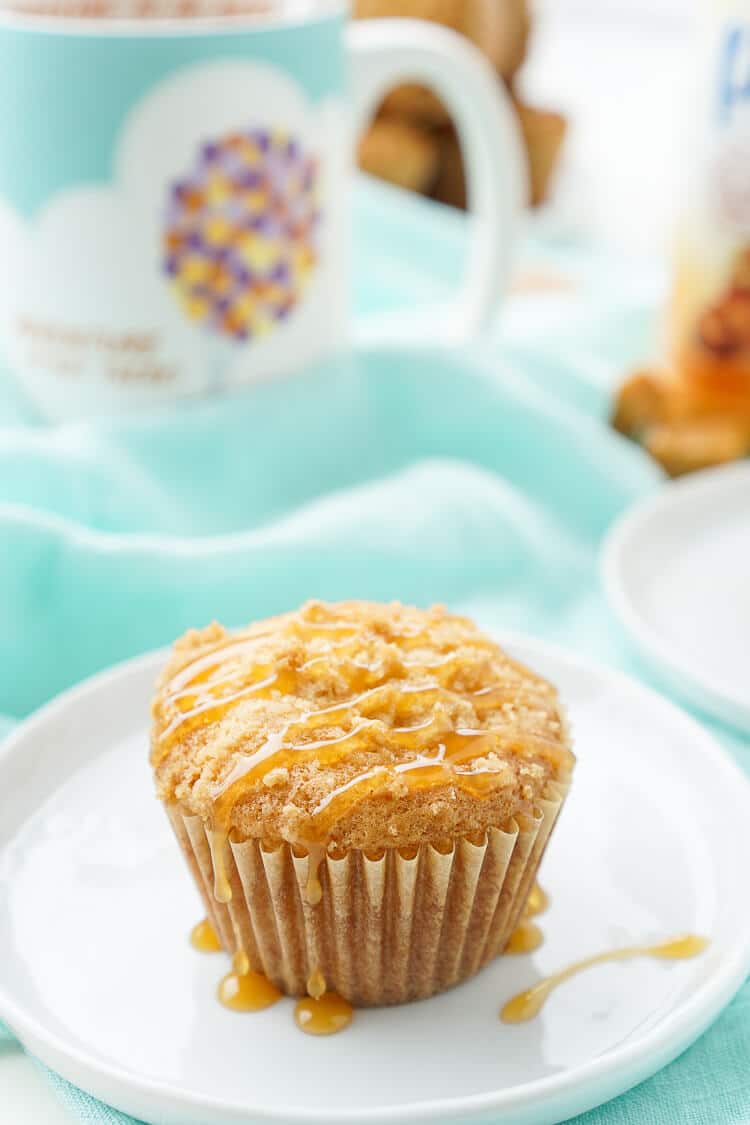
x: 386, y: 52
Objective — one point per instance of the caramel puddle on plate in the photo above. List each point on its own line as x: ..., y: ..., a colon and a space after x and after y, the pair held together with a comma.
x: 528, y: 1004
x: 242, y: 990
x: 321, y: 1012
x: 324, y: 1015
x: 204, y: 938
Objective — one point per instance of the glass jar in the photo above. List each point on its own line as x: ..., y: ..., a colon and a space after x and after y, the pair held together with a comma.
x: 708, y: 331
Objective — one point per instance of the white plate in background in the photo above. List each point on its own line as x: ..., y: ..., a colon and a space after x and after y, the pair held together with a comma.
x: 676, y: 570
x: 98, y: 980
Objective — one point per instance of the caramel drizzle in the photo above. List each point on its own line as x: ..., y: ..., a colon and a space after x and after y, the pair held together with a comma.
x: 204, y: 691
x: 445, y: 757
x: 528, y: 1004
x: 204, y: 688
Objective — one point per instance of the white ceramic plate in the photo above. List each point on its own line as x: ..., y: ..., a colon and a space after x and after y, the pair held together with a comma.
x: 677, y: 573
x: 98, y: 979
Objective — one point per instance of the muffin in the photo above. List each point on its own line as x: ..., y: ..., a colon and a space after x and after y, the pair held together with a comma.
x: 363, y: 793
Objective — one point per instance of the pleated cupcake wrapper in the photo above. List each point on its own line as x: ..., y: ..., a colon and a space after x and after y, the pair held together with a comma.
x: 387, y: 929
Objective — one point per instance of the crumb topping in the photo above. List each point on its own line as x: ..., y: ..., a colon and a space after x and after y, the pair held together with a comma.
x: 354, y: 724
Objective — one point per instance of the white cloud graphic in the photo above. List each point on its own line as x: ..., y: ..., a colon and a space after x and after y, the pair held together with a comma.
x: 84, y: 287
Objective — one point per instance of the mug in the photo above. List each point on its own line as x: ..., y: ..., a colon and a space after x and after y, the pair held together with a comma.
x: 174, y: 192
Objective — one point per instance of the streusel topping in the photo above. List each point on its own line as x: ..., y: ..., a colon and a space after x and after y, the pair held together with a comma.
x: 354, y: 725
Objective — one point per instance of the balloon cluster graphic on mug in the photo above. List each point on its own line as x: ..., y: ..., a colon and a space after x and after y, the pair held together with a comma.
x: 240, y: 234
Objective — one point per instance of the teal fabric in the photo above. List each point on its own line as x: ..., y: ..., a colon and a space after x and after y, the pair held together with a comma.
x: 485, y: 479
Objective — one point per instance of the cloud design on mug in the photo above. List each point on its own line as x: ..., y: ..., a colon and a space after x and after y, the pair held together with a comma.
x: 92, y: 261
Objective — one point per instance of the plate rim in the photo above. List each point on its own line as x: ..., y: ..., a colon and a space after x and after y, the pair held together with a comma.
x: 661, y: 654
x: 548, y: 1099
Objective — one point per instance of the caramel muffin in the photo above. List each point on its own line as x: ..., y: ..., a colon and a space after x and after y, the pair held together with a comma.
x: 363, y: 792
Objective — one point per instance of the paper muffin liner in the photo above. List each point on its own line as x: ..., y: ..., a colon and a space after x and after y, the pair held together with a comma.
x: 388, y: 928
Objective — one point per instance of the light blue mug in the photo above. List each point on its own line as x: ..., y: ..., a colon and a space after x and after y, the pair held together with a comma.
x: 174, y: 193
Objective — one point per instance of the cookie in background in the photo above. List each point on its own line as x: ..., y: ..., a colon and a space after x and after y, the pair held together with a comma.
x: 404, y: 154
x: 412, y: 142
x: 500, y: 28
x: 543, y: 132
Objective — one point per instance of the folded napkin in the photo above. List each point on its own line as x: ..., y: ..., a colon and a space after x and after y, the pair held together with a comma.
x: 484, y: 478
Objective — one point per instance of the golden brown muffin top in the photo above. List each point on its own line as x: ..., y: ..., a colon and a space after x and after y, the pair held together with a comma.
x: 354, y: 725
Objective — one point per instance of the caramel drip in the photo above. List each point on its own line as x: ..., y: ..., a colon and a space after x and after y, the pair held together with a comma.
x: 247, y: 992
x: 527, y: 1004
x: 325, y: 1015
x: 218, y: 844
x: 241, y: 963
x: 537, y: 902
x: 525, y: 938
x: 313, y: 887
x: 204, y: 938
x: 319, y: 1013
x: 316, y: 984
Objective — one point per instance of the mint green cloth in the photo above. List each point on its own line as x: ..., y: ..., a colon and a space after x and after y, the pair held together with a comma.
x: 485, y: 479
